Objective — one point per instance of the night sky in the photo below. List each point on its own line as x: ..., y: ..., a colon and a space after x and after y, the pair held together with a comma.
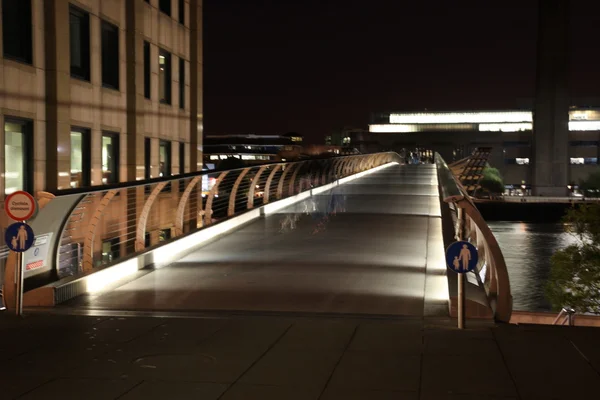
x: 311, y: 66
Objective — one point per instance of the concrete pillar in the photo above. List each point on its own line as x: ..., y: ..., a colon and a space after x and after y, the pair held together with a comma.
x: 196, y: 62
x: 134, y: 51
x: 58, y: 95
x: 135, y: 16
x: 551, y: 108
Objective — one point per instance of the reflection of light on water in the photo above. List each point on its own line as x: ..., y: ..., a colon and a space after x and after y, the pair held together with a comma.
x: 527, y: 249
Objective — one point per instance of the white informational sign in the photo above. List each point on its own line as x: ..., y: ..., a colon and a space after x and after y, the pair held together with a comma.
x: 35, y: 257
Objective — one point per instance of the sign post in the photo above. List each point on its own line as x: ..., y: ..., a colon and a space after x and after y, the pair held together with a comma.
x: 461, y: 257
x: 19, y: 206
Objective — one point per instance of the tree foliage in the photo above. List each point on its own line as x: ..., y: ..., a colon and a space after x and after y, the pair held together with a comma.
x: 575, y: 274
x: 492, y: 181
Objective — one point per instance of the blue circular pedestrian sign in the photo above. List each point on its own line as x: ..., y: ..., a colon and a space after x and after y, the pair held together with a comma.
x: 19, y: 237
x: 461, y: 257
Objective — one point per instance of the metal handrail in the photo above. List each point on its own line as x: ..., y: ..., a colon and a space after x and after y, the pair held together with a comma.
x: 492, y: 267
x: 103, y: 225
x: 568, y: 315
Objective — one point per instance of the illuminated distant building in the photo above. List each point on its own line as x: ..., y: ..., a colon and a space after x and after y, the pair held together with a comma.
x: 510, y: 134
x: 252, y: 149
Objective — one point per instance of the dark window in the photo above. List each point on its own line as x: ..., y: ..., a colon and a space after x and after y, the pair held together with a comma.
x: 18, y: 149
x: 147, y: 70
x: 182, y: 11
x: 165, y: 6
x: 164, y: 76
x: 182, y: 165
x: 182, y: 158
x: 147, y: 239
x: 17, y: 33
x: 80, y: 157
x: 583, y: 143
x: 147, y: 157
x: 110, y: 55
x: 181, y: 83
x: 516, y: 144
x: 147, y: 163
x: 591, y: 160
x: 79, y: 41
x: 110, y: 158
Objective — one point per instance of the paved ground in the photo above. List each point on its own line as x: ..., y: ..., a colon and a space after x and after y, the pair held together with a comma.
x: 381, y: 253
x: 75, y: 357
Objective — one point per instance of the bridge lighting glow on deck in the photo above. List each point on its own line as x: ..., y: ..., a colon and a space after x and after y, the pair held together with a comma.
x: 523, y: 126
x: 100, y: 280
x: 462, y: 118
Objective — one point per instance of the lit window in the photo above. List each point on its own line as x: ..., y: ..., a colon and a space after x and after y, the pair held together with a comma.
x: 17, y: 155
x: 80, y: 158
x: 584, y: 125
x: 110, y: 158
x: 469, y: 117
x: 164, y: 159
x: 526, y: 126
x: 522, y: 161
x: 164, y: 77
x: 110, y: 250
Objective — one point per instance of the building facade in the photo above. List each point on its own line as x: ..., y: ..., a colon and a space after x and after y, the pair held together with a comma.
x: 509, y: 133
x: 95, y: 92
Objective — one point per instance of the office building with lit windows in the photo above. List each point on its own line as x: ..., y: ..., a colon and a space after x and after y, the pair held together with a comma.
x: 509, y: 133
x: 96, y: 92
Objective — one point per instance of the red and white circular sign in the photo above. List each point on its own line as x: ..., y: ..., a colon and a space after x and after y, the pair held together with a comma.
x: 19, y: 206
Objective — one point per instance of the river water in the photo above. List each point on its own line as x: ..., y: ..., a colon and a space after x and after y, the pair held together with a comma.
x: 527, y: 248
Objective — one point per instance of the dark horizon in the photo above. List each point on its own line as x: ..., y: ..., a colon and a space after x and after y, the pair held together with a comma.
x: 308, y: 67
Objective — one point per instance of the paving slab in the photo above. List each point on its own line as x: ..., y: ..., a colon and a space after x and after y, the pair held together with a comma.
x: 92, y: 389
x: 243, y: 391
x: 285, y: 357
x: 148, y: 390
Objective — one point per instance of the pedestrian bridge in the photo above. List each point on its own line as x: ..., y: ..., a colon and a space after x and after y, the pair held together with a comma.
x: 350, y: 235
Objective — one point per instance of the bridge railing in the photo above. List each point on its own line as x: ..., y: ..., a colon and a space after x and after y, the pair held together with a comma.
x: 491, y: 267
x: 87, y: 230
